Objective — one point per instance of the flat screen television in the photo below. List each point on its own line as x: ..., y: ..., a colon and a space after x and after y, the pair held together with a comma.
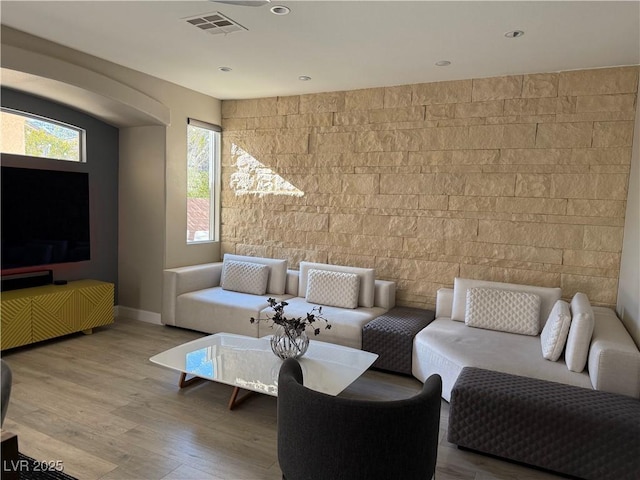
x: 45, y: 217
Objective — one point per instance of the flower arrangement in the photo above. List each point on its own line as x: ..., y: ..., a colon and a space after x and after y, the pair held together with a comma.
x: 293, y: 326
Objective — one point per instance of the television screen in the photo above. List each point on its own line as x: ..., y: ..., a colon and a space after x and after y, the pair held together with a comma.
x: 45, y: 217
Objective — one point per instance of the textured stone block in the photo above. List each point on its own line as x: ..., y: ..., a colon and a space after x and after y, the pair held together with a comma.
x: 490, y: 185
x: 588, y: 258
x: 288, y: 105
x: 395, y: 97
x: 457, y: 91
x: 612, y: 134
x: 540, y: 85
x: 601, y: 156
x: 346, y: 223
x: 533, y: 234
x: 364, y: 184
x: 602, y: 238
x: 504, y: 252
x: 388, y: 141
x: 433, y: 202
x: 539, y: 106
x: 596, y: 208
x: 599, y: 290
x: 322, y: 102
x: 229, y: 108
x: 444, y: 138
x: 261, y: 123
x: 353, y: 117
x: 589, y: 186
x: 550, y: 206
x: 564, y: 135
x: 387, y: 225
x: 502, y: 136
x: 599, y: 82
x: 497, y: 88
x: 230, y: 124
x: 459, y: 228
x: 457, y: 157
x: 390, y: 115
x: 365, y: 99
x: 305, y: 222
x: 309, y: 120
x: 606, y: 103
x: 440, y: 111
x: 472, y: 204
x: 428, y: 183
x: 533, y: 156
x: 335, y: 142
x: 479, y: 109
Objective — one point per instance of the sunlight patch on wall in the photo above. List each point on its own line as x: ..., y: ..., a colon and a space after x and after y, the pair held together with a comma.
x: 252, y: 177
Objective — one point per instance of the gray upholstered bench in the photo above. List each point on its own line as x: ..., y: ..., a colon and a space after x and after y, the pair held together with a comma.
x: 391, y: 337
x: 571, y: 430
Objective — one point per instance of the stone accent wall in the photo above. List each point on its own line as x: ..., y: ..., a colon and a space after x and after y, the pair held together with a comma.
x: 520, y: 179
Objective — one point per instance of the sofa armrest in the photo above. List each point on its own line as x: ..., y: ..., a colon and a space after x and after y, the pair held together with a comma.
x: 444, y: 302
x: 614, y: 359
x: 384, y: 294
x: 293, y: 280
x: 177, y: 281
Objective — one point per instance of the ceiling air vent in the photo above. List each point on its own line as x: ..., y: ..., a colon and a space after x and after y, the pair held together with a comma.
x: 215, y: 23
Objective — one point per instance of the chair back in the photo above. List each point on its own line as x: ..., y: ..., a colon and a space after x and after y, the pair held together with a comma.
x: 323, y: 437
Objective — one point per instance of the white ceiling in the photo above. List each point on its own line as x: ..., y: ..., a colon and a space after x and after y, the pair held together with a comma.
x: 342, y: 45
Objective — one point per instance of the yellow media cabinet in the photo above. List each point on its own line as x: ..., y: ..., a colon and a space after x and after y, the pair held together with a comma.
x: 30, y: 315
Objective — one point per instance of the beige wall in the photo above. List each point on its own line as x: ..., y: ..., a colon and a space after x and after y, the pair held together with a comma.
x: 140, y: 288
x: 629, y: 289
x: 520, y: 179
x: 141, y: 217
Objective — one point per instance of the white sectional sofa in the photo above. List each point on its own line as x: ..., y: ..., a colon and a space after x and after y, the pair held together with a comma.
x: 212, y: 298
x: 448, y: 344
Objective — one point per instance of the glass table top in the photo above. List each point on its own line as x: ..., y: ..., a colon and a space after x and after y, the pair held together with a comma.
x: 250, y: 364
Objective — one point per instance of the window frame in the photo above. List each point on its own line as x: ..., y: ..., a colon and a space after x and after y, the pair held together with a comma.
x: 215, y: 181
x: 82, y: 135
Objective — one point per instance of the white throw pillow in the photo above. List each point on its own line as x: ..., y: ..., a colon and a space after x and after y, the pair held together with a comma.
x: 337, y: 289
x: 503, y: 310
x: 554, y: 334
x: 245, y: 277
x: 580, y: 332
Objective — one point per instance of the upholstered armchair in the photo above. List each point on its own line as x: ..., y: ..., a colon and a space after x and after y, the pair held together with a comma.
x: 322, y: 437
x: 5, y: 391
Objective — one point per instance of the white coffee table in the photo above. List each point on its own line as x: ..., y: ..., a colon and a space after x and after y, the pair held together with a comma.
x: 248, y: 363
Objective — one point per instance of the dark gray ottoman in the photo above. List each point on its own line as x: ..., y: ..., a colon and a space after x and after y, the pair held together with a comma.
x: 575, y: 431
x: 391, y: 337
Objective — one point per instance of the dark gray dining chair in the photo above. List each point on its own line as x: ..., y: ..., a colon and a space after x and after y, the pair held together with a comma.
x: 324, y: 437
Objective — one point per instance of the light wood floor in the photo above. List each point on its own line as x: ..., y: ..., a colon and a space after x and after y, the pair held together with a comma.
x: 97, y: 404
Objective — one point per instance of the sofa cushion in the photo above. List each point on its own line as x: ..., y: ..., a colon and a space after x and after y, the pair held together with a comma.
x: 548, y: 296
x: 366, y: 296
x: 245, y: 277
x: 503, y: 310
x: 554, y: 334
x: 445, y: 347
x: 580, y: 332
x: 338, y: 289
x: 277, y: 271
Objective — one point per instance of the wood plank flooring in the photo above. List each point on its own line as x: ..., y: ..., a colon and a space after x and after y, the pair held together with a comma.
x: 96, y: 403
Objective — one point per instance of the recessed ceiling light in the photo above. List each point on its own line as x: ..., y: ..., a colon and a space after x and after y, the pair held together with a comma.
x: 304, y: 78
x: 225, y: 69
x: 514, y: 34
x: 443, y: 63
x: 280, y: 10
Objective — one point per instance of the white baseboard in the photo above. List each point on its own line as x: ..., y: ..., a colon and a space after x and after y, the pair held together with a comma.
x: 135, y: 314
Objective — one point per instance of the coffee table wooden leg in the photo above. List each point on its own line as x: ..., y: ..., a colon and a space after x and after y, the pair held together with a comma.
x: 234, y: 401
x: 184, y: 382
